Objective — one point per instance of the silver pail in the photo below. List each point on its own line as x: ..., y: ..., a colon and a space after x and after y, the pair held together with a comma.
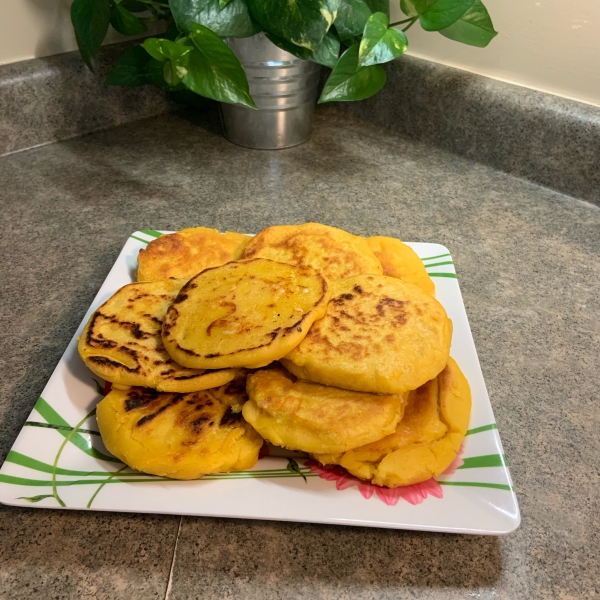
x: 285, y: 90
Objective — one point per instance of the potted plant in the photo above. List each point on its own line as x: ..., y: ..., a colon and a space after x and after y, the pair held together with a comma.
x: 261, y: 58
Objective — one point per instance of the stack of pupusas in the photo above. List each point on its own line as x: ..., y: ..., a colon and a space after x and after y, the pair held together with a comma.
x: 306, y: 336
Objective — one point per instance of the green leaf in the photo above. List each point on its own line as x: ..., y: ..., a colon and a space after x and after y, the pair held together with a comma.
x: 408, y: 8
x: 126, y: 22
x: 173, y: 73
x: 474, y: 27
x: 233, y: 21
x: 134, y: 6
x: 444, y: 13
x: 304, y: 23
x: 164, y: 50
x: 33, y: 499
x: 349, y: 81
x: 419, y: 6
x: 223, y: 3
x: 90, y: 20
x: 129, y: 68
x: 353, y: 15
x: 326, y: 54
x: 214, y: 71
x: 380, y: 44
x: 154, y: 72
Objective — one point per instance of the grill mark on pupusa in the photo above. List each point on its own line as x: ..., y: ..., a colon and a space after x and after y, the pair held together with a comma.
x: 162, y: 409
x: 230, y: 417
x: 139, y: 398
x: 107, y: 362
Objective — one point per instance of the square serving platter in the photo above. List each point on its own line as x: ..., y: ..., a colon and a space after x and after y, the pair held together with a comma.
x: 59, y: 461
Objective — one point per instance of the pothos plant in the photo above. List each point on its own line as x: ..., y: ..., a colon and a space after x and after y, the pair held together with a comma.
x: 352, y: 37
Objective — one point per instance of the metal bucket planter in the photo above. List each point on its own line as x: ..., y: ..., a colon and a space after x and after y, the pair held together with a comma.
x: 285, y: 90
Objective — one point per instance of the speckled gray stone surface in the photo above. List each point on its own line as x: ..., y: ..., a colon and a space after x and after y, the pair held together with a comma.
x: 57, y: 97
x: 528, y: 263
x: 550, y: 140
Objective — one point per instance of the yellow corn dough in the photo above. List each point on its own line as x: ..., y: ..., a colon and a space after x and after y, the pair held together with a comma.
x: 243, y: 314
x: 183, y: 436
x: 426, y: 440
x: 334, y: 252
x: 122, y: 342
x: 299, y: 415
x: 380, y: 334
x: 184, y: 254
x: 401, y: 261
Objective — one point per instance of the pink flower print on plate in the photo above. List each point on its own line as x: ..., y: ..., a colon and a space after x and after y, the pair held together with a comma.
x: 413, y: 494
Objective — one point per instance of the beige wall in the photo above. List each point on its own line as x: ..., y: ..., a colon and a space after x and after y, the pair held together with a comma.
x: 36, y: 28
x: 551, y: 45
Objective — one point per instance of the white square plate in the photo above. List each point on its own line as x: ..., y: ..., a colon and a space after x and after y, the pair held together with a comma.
x: 58, y: 460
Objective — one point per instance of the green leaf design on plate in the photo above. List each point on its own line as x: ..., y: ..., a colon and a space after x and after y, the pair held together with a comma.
x: 108, y: 480
x: 62, y: 427
x: 475, y: 27
x: 438, y: 256
x: 496, y: 486
x: 380, y: 44
x: 304, y: 23
x: 11, y: 479
x: 439, y: 264
x: 326, y: 54
x: 482, y: 428
x: 353, y: 15
x: 479, y: 462
x: 126, y: 22
x: 50, y: 415
x: 151, y: 232
x: 293, y: 467
x: 90, y: 20
x: 213, y: 70
x: 34, y: 499
x: 443, y: 13
x: 31, y: 463
x: 99, y: 387
x: 233, y: 20
x: 349, y: 81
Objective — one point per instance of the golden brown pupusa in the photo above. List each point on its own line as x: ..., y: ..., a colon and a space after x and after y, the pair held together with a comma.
x: 300, y: 415
x: 401, y: 261
x: 187, y: 252
x: 122, y: 342
x: 380, y: 335
x: 183, y: 436
x: 333, y: 252
x: 243, y: 314
x: 426, y: 440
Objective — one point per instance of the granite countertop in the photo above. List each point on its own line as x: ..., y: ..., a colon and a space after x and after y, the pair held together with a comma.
x: 528, y: 263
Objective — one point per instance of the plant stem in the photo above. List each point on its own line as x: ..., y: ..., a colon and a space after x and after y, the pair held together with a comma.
x: 412, y: 22
x: 401, y: 22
